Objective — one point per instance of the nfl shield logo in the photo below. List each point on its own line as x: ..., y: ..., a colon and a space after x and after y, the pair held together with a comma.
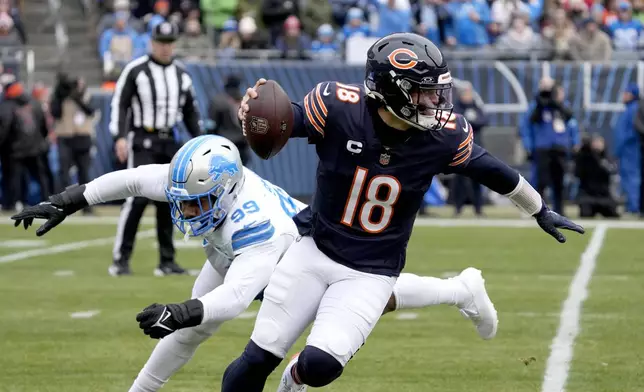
x: 384, y: 158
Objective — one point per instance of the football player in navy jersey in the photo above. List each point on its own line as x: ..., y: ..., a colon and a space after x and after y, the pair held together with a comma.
x: 379, y: 146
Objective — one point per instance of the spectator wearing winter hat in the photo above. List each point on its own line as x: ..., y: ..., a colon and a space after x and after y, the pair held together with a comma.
x: 193, y: 43
x: 355, y: 24
x: 8, y: 35
x: 325, y: 47
x: 428, y: 20
x: 162, y: 8
x: 215, y: 14
x: 468, y: 27
x: 108, y: 20
x: 559, y: 34
x: 625, y: 32
x: 501, y: 11
x: 117, y: 44
x: 293, y: 43
x: 578, y: 11
x: 394, y: 16
x: 12, y: 24
x: 275, y: 13
x: 605, y: 14
x: 590, y: 43
x: 519, y: 36
x: 251, y: 38
x: 229, y: 40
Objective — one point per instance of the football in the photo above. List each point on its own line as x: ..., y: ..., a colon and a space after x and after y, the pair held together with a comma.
x: 269, y: 121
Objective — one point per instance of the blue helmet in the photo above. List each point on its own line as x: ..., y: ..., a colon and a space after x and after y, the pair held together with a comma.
x: 208, y: 171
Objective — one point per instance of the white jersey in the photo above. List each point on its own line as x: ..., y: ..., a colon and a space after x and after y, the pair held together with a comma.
x: 261, y: 213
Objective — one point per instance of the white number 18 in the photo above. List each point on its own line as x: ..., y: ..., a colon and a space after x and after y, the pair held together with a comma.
x: 372, y: 201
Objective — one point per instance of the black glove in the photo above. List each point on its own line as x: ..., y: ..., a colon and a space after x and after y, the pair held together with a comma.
x: 550, y: 221
x: 59, y: 207
x: 159, y: 321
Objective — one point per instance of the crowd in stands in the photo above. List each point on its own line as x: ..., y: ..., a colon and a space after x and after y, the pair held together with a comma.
x: 12, y: 31
x: 565, y: 29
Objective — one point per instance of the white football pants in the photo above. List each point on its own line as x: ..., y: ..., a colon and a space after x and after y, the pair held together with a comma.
x: 223, y: 298
x: 308, y: 286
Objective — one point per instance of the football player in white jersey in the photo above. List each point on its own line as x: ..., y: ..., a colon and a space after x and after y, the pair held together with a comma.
x: 246, y: 226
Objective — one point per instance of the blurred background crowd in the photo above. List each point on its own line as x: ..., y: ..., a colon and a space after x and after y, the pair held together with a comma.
x: 52, y: 108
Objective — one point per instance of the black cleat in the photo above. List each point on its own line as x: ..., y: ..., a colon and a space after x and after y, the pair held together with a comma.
x: 117, y: 269
x: 169, y: 269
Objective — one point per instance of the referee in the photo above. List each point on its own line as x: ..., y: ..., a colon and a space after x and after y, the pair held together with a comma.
x: 152, y: 94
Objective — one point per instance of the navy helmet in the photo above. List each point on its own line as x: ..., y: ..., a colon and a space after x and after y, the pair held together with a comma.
x: 409, y: 76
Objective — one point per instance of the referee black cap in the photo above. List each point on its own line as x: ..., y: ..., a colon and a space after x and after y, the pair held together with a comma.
x: 165, y: 32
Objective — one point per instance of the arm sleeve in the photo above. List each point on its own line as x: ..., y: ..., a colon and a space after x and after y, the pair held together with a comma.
x: 312, y: 113
x: 249, y: 273
x: 145, y: 181
x: 190, y: 110
x: 121, y: 101
x: 488, y: 170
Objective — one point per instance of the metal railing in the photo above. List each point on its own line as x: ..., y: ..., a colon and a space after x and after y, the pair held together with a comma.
x: 19, y: 57
x: 489, y: 53
x: 60, y: 30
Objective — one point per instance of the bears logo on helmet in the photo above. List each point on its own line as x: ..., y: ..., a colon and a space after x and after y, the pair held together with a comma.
x: 406, y: 61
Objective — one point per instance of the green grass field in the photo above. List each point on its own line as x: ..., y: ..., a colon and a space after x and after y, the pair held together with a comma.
x: 43, y: 348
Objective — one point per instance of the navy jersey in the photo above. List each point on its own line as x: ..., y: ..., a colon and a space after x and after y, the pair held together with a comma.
x: 371, y: 179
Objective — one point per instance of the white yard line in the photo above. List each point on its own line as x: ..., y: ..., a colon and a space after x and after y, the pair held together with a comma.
x: 84, y: 315
x: 561, y: 349
x: 247, y: 315
x: 68, y: 247
x: 406, y: 316
x: 422, y: 222
x: 64, y: 273
x: 83, y: 220
x: 518, y: 223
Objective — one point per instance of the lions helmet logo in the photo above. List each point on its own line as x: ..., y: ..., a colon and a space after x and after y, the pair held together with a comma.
x: 220, y: 166
x: 403, y: 58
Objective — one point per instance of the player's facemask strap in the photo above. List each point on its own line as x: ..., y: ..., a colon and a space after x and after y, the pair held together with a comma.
x: 212, y: 209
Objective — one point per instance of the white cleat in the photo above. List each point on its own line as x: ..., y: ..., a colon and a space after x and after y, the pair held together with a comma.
x: 479, y: 308
x: 287, y: 384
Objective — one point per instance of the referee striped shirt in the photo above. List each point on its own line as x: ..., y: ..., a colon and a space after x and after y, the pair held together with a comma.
x: 158, y: 95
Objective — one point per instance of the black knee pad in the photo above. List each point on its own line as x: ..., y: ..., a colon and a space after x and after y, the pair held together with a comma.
x: 317, y: 368
x: 249, y: 372
x: 260, y: 358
